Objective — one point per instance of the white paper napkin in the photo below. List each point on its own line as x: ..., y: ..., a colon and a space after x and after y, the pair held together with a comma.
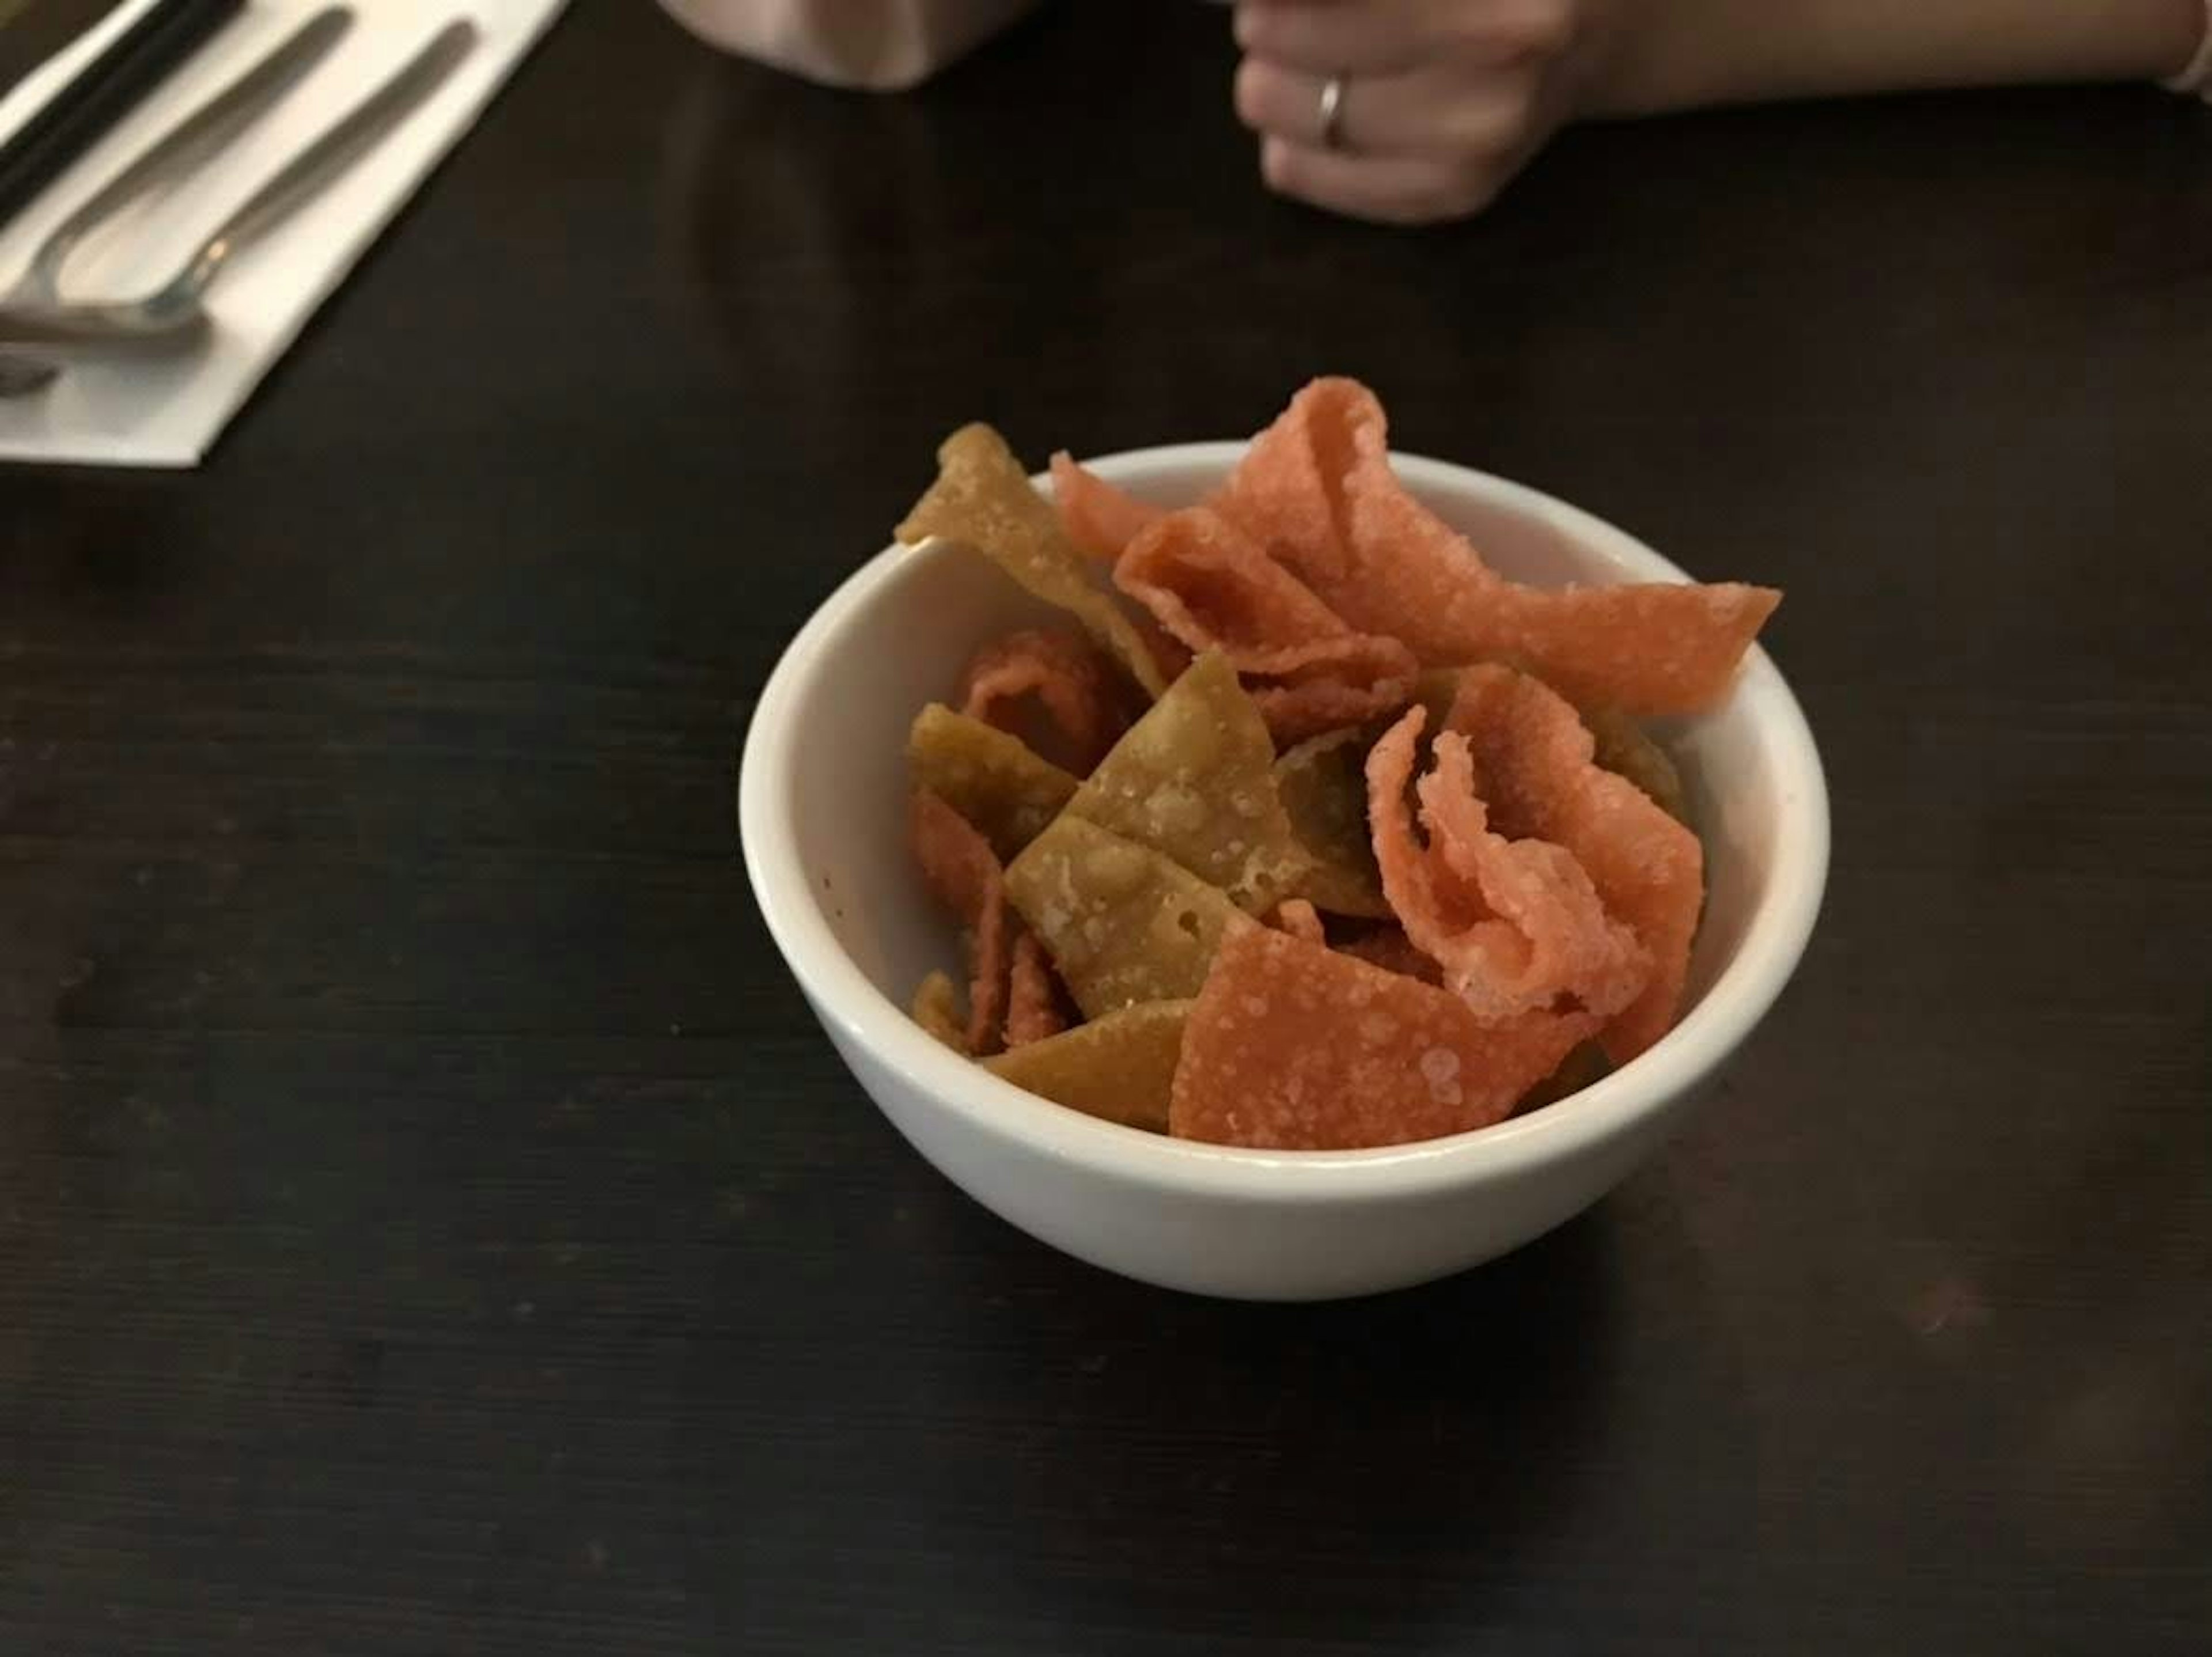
x: 168, y: 410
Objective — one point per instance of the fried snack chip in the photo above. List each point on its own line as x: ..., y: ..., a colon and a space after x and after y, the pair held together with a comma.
x: 1294, y: 1048
x: 1120, y: 1068
x: 1318, y: 490
x: 992, y: 780
x: 1535, y: 760
x: 1213, y: 587
x: 1194, y: 780
x: 1085, y: 709
x: 963, y: 872
x: 1123, y: 923
x: 1517, y: 925
x: 1323, y: 783
x: 983, y: 499
x: 1098, y: 518
x: 1299, y: 919
x: 1033, y: 1012
x: 937, y: 1010
x: 1625, y: 749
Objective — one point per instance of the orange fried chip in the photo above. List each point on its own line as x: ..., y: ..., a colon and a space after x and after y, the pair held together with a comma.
x: 1098, y: 518
x: 1626, y: 750
x: 1517, y: 925
x: 1074, y: 684
x: 1534, y: 759
x: 1295, y: 1048
x: 1033, y: 1010
x: 963, y: 872
x: 1213, y: 587
x: 983, y: 500
x: 1299, y: 919
x: 1317, y: 490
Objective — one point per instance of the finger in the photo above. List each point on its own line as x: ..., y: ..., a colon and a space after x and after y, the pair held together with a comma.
x: 1426, y: 111
x: 1360, y: 36
x: 1387, y: 189
x: 1329, y: 36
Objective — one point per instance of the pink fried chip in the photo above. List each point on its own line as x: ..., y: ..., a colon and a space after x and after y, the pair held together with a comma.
x: 961, y: 869
x: 1317, y: 490
x: 1321, y: 688
x: 1533, y: 754
x: 1214, y: 587
x: 1033, y: 1000
x: 1295, y: 1048
x: 1299, y: 919
x: 1517, y: 925
x: 1075, y: 687
x: 1098, y: 518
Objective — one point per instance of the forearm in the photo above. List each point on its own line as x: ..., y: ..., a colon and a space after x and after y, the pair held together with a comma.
x: 1678, y: 54
x: 880, y: 45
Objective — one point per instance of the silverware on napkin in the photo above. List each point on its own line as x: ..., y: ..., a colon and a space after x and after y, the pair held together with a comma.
x: 36, y: 314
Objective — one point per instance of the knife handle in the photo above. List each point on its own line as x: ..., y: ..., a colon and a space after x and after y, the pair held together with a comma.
x: 92, y: 103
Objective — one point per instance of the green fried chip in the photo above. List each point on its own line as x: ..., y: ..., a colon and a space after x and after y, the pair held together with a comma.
x: 1118, y: 1068
x: 1123, y: 923
x: 995, y: 780
x: 1323, y: 784
x: 1194, y: 780
x: 983, y: 499
x: 937, y: 1010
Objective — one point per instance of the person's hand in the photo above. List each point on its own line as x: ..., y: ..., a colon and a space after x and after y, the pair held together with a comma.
x: 1441, y: 101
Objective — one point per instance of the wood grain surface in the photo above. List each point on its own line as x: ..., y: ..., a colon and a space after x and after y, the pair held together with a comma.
x: 430, y: 1221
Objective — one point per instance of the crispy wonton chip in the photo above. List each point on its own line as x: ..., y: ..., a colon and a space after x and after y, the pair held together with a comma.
x: 1194, y: 780
x: 1323, y: 785
x: 963, y: 870
x: 1119, y: 1068
x: 1534, y: 759
x: 1098, y: 518
x: 1516, y: 924
x: 937, y: 1010
x: 983, y: 499
x: 992, y: 780
x: 1299, y: 919
x: 1085, y: 709
x: 1124, y: 924
x: 1294, y: 1048
x: 1624, y: 747
x: 1215, y: 588
x: 1033, y: 1011
x: 1317, y: 488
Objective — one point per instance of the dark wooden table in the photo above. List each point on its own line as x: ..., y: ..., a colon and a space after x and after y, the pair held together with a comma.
x: 430, y: 1223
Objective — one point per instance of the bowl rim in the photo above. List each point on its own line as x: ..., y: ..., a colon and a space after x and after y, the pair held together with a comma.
x: 841, y: 995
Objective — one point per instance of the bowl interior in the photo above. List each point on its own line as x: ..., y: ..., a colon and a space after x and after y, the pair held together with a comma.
x: 896, y: 636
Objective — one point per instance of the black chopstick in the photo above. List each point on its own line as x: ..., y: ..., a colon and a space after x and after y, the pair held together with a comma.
x: 91, y: 104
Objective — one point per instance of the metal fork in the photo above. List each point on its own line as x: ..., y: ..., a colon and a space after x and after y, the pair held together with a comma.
x: 173, y: 313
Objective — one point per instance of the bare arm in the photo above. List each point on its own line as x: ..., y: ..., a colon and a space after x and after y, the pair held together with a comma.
x: 882, y: 45
x: 1675, y: 54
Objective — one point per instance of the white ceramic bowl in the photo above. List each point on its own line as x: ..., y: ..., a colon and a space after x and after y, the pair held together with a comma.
x: 822, y: 818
